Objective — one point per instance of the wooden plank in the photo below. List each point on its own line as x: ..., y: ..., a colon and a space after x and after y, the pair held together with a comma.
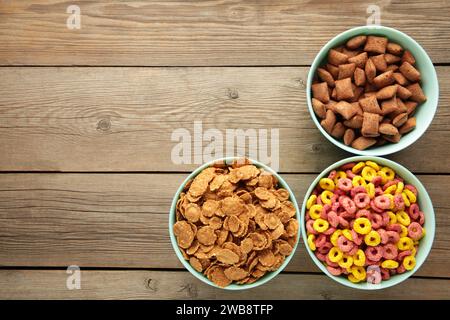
x: 223, y: 32
x: 51, y: 284
x: 122, y: 119
x: 121, y: 220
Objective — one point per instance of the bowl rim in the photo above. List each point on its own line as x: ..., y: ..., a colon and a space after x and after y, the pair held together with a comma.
x: 431, y: 221
x: 172, y: 214
x: 374, y: 151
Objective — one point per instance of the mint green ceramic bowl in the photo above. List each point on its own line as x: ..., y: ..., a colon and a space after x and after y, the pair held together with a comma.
x: 424, y: 113
x: 269, y: 275
x: 425, y: 205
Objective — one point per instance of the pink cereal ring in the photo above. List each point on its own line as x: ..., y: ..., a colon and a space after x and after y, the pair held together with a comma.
x: 373, y: 274
x: 329, y: 231
x: 378, y: 191
x: 399, y: 203
x: 357, y: 239
x: 403, y: 254
x: 371, y: 262
x: 344, y: 244
x: 309, y: 227
x: 334, y: 271
x: 374, y: 207
x: 333, y: 219
x: 411, y: 188
x: 376, y: 220
x: 376, y: 180
x: 321, y: 240
x: 307, y: 216
x: 390, y: 251
x: 332, y: 174
x: 344, y: 223
x: 350, y: 174
x: 395, y: 227
x: 374, y: 253
x: 421, y: 218
x: 325, y: 209
x: 347, y: 204
x: 383, y: 235
x: 414, y: 211
x: 415, y: 231
x: 331, y: 263
x: 335, y: 206
x: 320, y: 256
x: 382, y: 202
x: 357, y: 190
x: 363, y: 213
x: 345, y: 184
x: 353, y: 251
x: 393, y: 236
x: 385, y: 275
x: 348, y: 166
x: 325, y: 248
x: 385, y: 218
x: 401, y: 269
x: 319, y: 200
x: 361, y: 200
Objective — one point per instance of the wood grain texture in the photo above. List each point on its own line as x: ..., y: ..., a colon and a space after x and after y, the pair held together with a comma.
x: 121, y: 220
x: 219, y: 32
x: 51, y: 284
x: 122, y: 119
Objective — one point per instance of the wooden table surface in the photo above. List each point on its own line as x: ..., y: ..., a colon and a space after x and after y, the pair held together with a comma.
x: 86, y: 118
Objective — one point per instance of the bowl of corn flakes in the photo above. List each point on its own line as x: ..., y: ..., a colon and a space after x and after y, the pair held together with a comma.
x: 367, y: 222
x: 234, y: 223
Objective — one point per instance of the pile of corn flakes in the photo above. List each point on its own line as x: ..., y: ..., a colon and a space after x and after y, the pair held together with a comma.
x: 234, y: 223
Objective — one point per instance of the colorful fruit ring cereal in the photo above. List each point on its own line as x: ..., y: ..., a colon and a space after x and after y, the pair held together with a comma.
x: 374, y: 219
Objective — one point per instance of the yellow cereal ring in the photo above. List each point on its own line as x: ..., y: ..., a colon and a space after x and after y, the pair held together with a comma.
x: 400, y: 187
x: 406, y: 200
x: 368, y: 173
x: 326, y: 184
x: 370, y: 190
x: 413, y: 251
x: 389, y: 264
x: 358, y: 167
x: 404, y: 232
x: 339, y: 175
x: 358, y: 272
x: 335, y: 254
x: 359, y: 259
x: 383, y: 176
x: 362, y: 225
x: 391, y: 189
x: 358, y: 181
x: 311, y: 201
x: 347, y: 233
x: 352, y: 278
x: 345, y: 262
x: 320, y: 225
x: 405, y: 243
x: 372, y: 238
x: 410, y: 195
x: 409, y: 262
x: 373, y: 165
x: 390, y: 174
x: 392, y: 217
x: 326, y: 196
x: 315, y: 211
x: 403, y: 218
x: 334, y: 237
x: 423, y: 232
x: 311, y: 243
